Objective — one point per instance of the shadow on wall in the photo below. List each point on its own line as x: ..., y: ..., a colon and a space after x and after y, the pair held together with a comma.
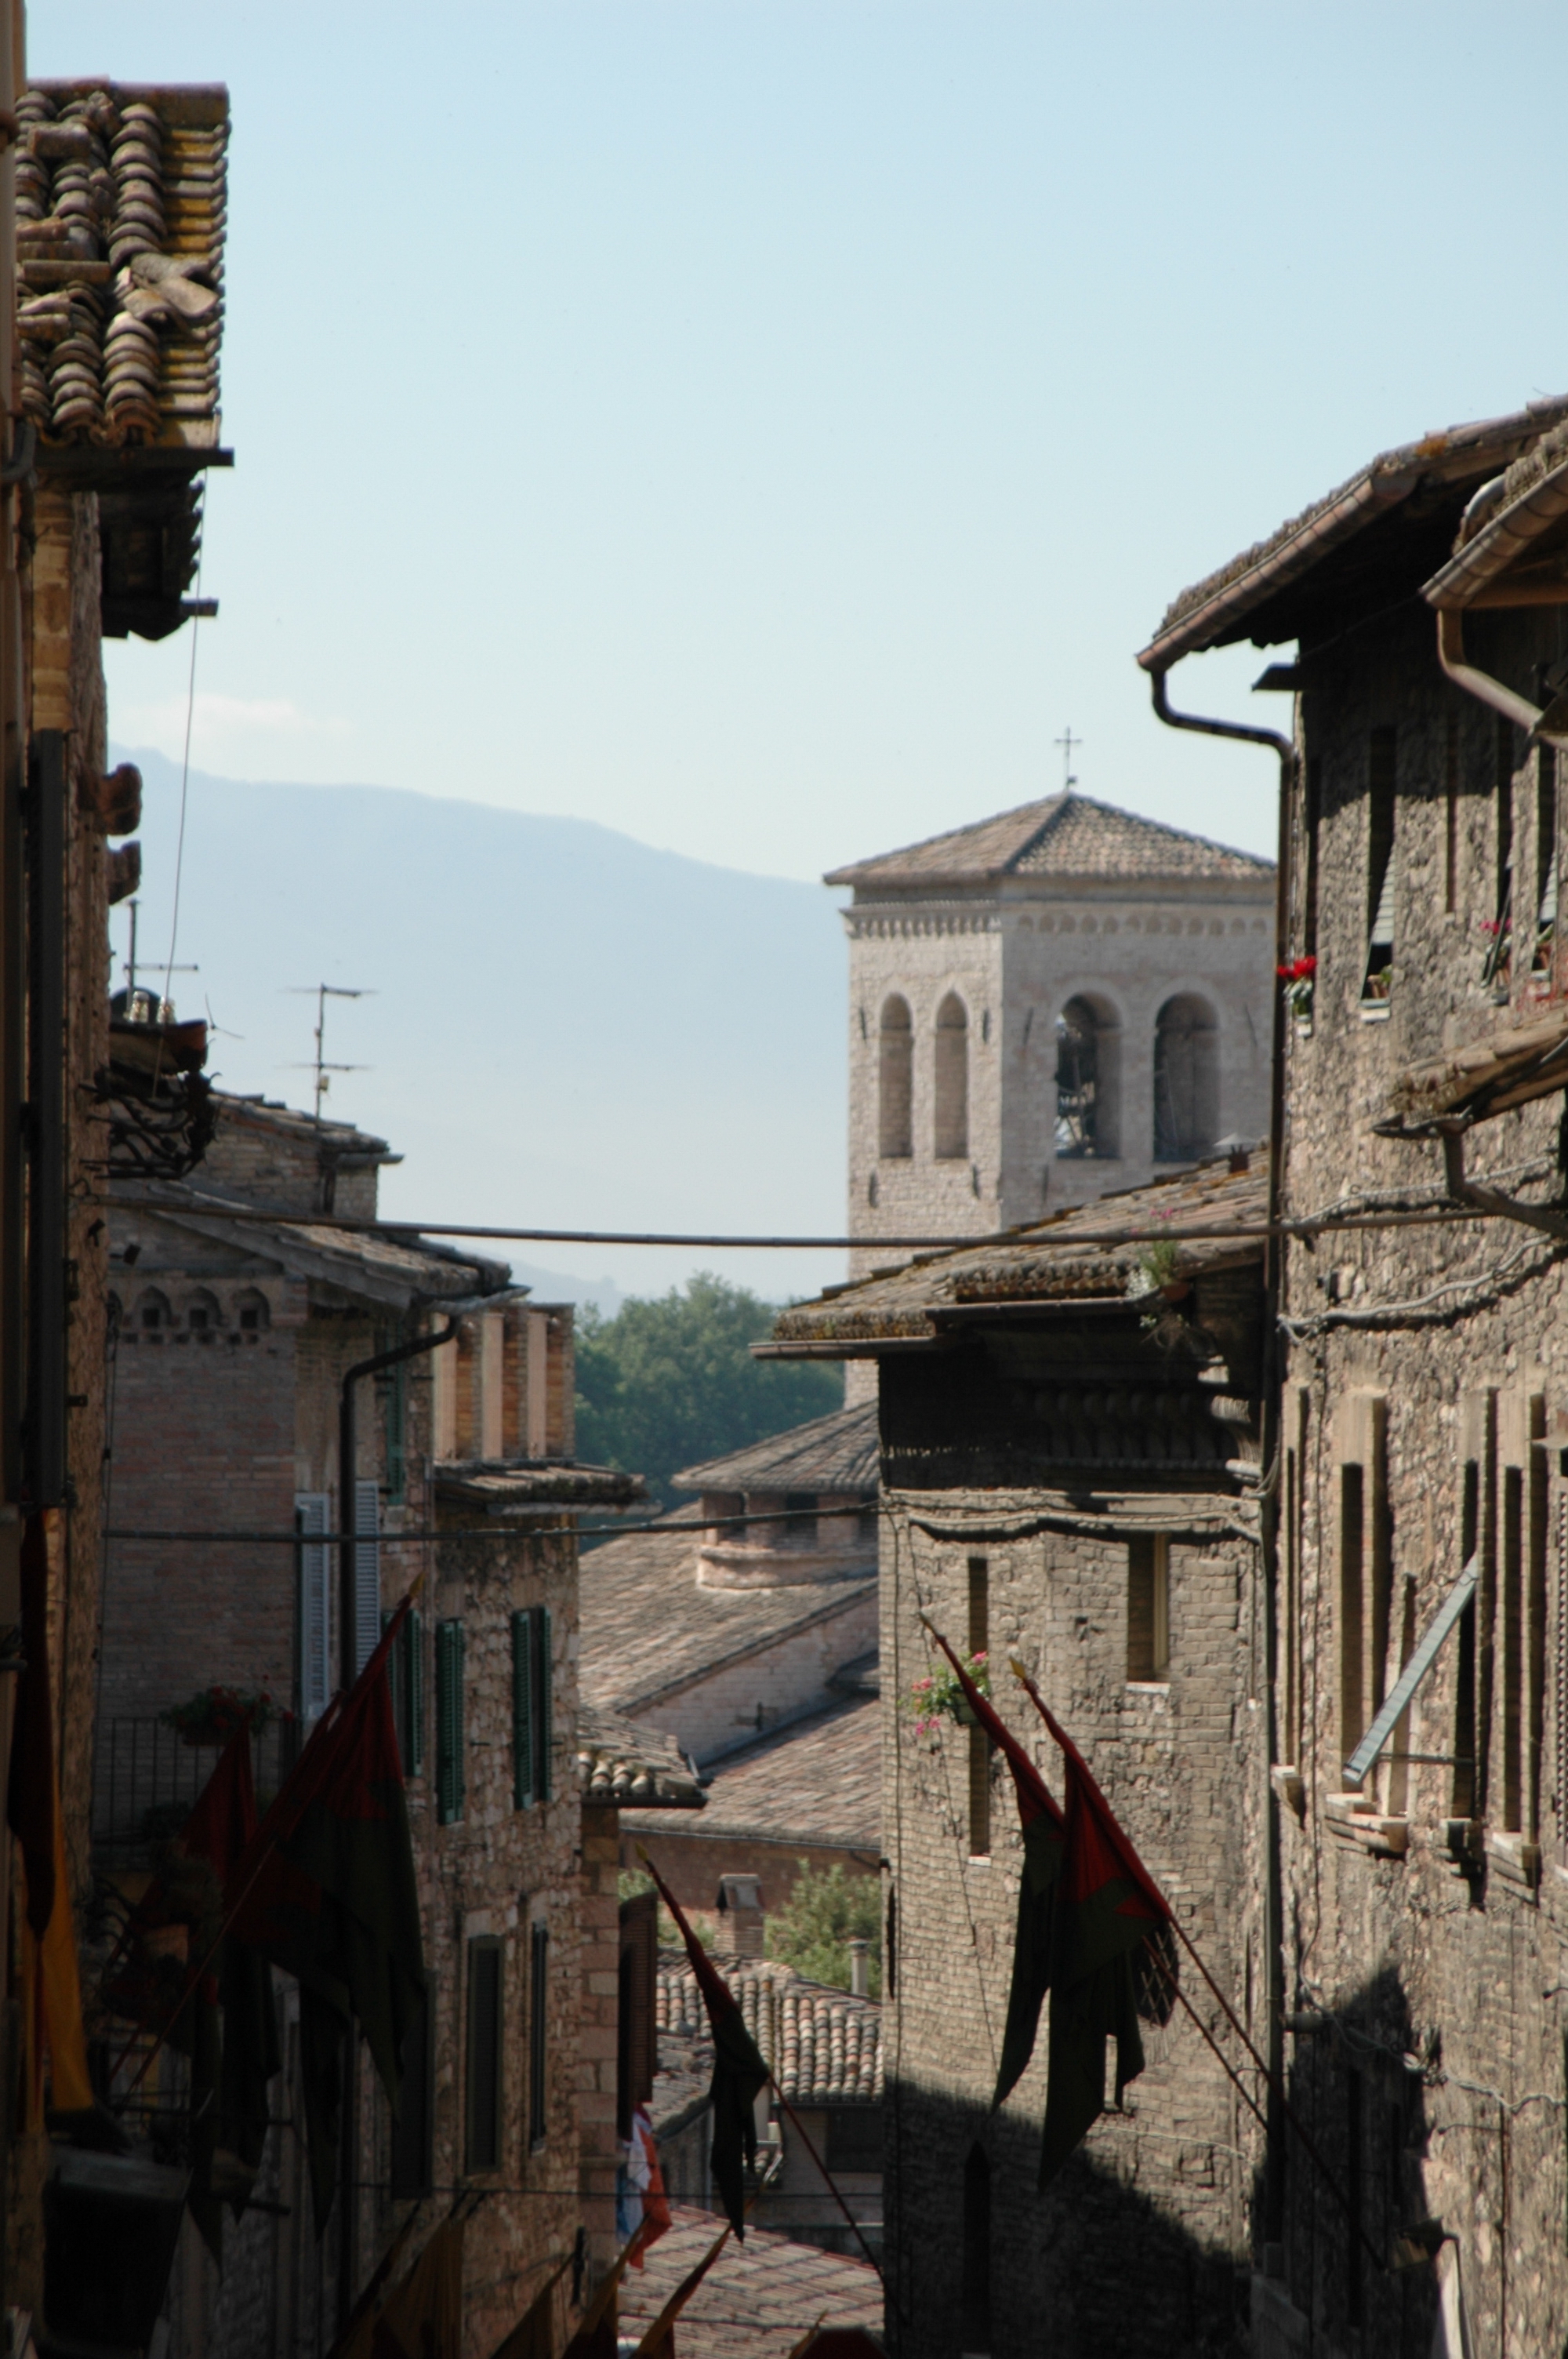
x: 978, y: 2262
x: 1356, y: 2080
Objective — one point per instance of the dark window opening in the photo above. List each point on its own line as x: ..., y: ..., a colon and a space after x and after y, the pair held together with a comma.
x: 1148, y: 1607
x: 952, y: 1079
x: 452, y: 1782
x: 1352, y: 1543
x: 1542, y: 952
x: 1511, y: 1583
x: 1312, y: 823
x: 895, y: 1080
x: 1186, y: 1080
x: 538, y: 2005
x: 531, y: 1718
x: 1451, y: 813
x: 253, y: 1313
x: 1499, y: 950
x: 1381, y: 868
x: 412, y: 2140
x: 1086, y: 1082
x: 976, y: 2283
x: 482, y: 2147
x: 637, y: 2036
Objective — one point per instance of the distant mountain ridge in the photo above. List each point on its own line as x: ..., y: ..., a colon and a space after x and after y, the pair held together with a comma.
x: 568, y: 1028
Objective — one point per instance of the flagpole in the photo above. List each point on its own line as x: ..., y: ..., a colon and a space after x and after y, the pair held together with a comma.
x: 1247, y: 2099
x: 655, y: 2335
x: 551, y: 2282
x: 1082, y: 1767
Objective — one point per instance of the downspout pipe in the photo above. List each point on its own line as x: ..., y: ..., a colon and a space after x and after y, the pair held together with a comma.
x: 1477, y: 683
x: 347, y: 1459
x: 1272, y: 1422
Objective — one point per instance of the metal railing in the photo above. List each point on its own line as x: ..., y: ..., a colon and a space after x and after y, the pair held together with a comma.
x: 147, y: 1779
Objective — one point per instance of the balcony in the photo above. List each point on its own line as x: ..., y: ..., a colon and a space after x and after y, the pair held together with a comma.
x: 147, y: 1780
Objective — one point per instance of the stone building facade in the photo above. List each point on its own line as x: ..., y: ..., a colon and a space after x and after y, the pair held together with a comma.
x: 1420, y: 1832
x: 102, y: 533
x: 1070, y: 1470
x: 240, y: 1307
x: 1045, y: 1006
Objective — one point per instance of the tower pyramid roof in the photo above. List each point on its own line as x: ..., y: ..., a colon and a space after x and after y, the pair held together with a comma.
x: 1065, y: 836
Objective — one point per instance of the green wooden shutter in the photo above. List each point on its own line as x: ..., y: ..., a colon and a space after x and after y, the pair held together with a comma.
x: 414, y: 1691
x: 449, y: 1786
x: 544, y: 1716
x: 523, y: 1790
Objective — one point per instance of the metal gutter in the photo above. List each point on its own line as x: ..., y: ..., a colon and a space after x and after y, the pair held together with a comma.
x: 1473, y: 569
x: 1270, y: 1435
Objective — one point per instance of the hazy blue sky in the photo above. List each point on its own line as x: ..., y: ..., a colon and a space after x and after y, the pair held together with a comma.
x: 763, y: 427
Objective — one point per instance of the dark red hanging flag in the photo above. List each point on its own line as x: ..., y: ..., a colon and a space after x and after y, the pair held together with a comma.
x: 1044, y: 1836
x: 230, y: 2072
x: 1113, y: 1958
x: 740, y: 2075
x: 325, y: 1889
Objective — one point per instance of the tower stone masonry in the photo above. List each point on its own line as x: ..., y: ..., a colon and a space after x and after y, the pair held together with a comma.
x: 1044, y: 1008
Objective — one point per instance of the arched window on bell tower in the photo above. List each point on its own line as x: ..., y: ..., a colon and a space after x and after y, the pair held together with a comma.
x: 895, y: 1077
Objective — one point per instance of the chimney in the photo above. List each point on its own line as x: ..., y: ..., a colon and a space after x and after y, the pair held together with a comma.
x: 860, y: 1967
x: 741, y: 1901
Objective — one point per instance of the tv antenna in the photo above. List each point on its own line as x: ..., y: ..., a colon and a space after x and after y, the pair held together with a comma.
x: 131, y: 959
x: 321, y: 993
x: 1067, y: 742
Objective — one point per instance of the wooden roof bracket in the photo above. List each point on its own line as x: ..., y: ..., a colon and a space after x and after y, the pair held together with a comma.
x: 1491, y: 1199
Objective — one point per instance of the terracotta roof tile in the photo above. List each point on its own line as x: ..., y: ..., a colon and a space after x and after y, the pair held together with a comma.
x: 837, y: 1452
x: 621, y: 1763
x: 122, y: 213
x: 648, y: 1630
x: 818, y: 1781
x: 1053, y: 1261
x: 824, y: 2047
x: 758, y: 2299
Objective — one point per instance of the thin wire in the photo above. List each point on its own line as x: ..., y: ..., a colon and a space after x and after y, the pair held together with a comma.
x: 184, y: 787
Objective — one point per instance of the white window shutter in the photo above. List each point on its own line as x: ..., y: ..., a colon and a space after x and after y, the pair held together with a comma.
x: 315, y: 1632
x: 367, y: 1573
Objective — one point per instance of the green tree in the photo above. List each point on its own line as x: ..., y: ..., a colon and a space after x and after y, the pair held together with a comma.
x: 826, y: 1909
x: 669, y: 1382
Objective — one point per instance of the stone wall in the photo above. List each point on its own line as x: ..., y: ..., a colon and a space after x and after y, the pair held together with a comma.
x: 1426, y: 1405
x: 1161, y: 2192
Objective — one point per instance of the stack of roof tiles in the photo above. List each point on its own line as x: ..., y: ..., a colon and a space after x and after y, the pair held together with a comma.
x: 621, y: 1763
x: 823, y: 2046
x: 121, y: 213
